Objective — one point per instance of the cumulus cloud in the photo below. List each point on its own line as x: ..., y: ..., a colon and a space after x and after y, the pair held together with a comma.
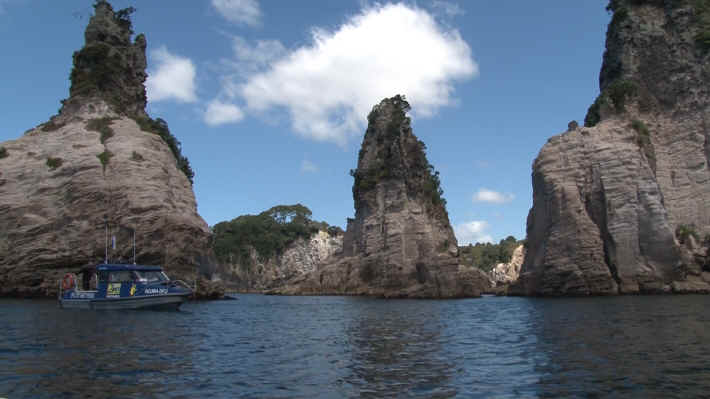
x: 242, y: 12
x: 329, y: 86
x: 308, y: 167
x: 472, y: 232
x: 448, y: 8
x: 493, y: 197
x: 219, y: 113
x: 172, y: 78
x: 252, y: 58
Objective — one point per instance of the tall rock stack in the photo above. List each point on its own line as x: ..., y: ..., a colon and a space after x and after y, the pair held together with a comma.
x: 622, y: 205
x: 100, y: 162
x: 400, y: 243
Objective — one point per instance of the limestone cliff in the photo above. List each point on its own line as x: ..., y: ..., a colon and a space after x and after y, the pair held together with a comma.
x: 256, y: 274
x: 508, y: 273
x: 400, y: 243
x: 616, y: 203
x: 100, y: 161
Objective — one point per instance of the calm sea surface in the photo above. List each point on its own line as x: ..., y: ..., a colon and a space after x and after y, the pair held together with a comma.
x: 338, y: 347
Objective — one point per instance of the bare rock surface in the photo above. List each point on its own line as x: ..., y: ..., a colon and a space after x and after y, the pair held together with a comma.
x: 611, y: 200
x: 508, y: 273
x: 63, y: 180
x: 400, y: 243
x: 300, y: 258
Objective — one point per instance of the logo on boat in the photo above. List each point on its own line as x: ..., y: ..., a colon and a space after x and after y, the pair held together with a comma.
x: 156, y: 291
x: 114, y: 289
x: 81, y: 295
x: 133, y: 289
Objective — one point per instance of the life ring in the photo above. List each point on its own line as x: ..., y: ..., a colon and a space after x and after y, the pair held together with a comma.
x: 68, y: 282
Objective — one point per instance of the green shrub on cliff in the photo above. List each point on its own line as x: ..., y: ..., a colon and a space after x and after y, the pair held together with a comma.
x: 104, y: 157
x: 3, y: 152
x: 613, y: 97
x: 486, y: 255
x: 54, y: 163
x: 421, y: 179
x: 683, y: 231
x: 101, y: 125
x: 160, y: 127
x: 269, y: 233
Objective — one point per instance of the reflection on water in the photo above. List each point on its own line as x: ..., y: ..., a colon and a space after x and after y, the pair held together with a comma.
x: 324, y: 347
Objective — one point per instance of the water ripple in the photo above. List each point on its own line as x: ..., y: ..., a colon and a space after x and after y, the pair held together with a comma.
x: 325, y: 347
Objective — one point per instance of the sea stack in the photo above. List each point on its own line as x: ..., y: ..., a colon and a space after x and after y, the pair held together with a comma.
x: 102, y: 162
x: 622, y: 205
x: 400, y: 243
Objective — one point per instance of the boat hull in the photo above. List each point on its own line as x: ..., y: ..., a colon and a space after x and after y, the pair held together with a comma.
x: 154, y: 302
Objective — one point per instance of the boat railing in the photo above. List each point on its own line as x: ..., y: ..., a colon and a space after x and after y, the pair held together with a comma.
x: 180, y: 282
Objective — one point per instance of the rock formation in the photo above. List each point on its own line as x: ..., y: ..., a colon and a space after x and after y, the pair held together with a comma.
x: 100, y: 161
x: 400, y: 243
x: 508, y: 273
x: 299, y: 259
x: 617, y: 204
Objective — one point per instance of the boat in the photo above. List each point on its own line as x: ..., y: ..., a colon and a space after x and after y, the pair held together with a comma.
x: 122, y: 286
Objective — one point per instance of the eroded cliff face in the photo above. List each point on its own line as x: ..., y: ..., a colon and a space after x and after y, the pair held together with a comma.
x: 299, y: 259
x: 63, y: 180
x: 614, y: 202
x: 508, y: 273
x: 400, y: 243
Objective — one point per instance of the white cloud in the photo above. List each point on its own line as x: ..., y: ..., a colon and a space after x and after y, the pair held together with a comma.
x: 329, y: 86
x: 308, y: 167
x: 448, y: 8
x: 472, y: 232
x: 250, y: 59
x: 494, y: 197
x: 219, y: 113
x: 245, y: 12
x: 173, y: 78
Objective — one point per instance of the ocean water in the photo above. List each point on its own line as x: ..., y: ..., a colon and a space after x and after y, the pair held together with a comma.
x: 343, y: 347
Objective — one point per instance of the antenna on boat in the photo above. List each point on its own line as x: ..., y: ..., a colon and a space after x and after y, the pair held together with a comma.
x: 106, y: 240
x: 134, y: 245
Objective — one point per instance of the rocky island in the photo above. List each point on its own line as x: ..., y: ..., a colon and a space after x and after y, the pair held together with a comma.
x: 400, y: 243
x: 100, y: 162
x: 622, y: 205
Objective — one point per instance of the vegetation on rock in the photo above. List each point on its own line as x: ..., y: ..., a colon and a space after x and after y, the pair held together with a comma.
x: 684, y: 231
x: 137, y: 157
x: 420, y: 176
x: 54, y: 163
x: 51, y: 126
x: 643, y: 139
x: 104, y: 157
x: 269, y: 233
x: 103, y: 126
x: 3, y: 152
x: 614, y: 97
x: 486, y: 255
x: 160, y: 127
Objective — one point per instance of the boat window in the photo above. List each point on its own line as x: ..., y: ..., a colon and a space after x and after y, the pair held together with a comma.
x: 103, y: 276
x: 120, y: 276
x: 149, y: 277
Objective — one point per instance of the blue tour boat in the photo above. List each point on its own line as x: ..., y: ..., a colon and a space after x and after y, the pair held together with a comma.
x: 119, y: 286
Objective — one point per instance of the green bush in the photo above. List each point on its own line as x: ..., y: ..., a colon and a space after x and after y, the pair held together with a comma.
x: 51, y: 126
x: 614, y: 96
x: 269, y: 233
x: 422, y: 179
x: 137, y: 157
x: 101, y: 125
x: 104, y: 157
x: 683, y: 231
x: 54, y: 163
x: 160, y: 127
x: 3, y: 152
x: 486, y: 255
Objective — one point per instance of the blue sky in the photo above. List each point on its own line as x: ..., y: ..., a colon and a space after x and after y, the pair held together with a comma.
x: 269, y: 98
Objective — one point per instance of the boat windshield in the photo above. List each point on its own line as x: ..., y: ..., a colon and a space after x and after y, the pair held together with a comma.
x: 150, y: 277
